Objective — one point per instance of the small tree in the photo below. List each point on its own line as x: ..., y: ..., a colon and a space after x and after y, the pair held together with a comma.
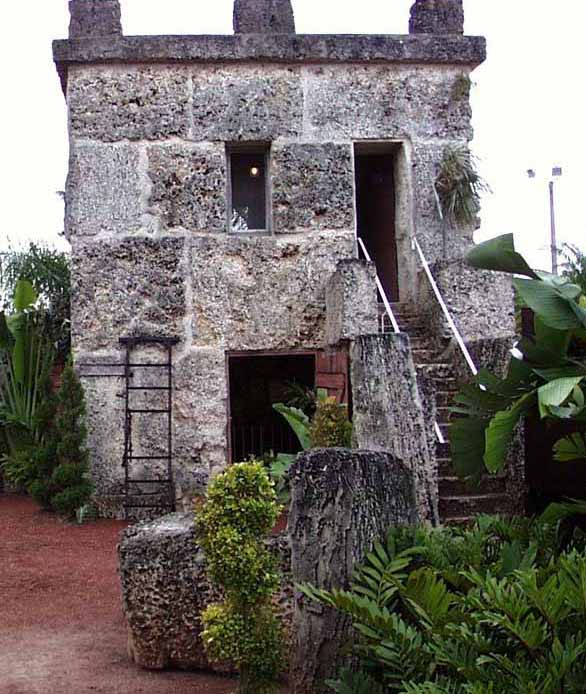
x: 62, y: 483
x: 240, y: 510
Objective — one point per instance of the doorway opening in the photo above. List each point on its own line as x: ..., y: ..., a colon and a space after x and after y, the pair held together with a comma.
x: 256, y: 383
x: 375, y: 167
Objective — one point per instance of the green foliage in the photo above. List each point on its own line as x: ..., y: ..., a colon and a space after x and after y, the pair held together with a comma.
x: 498, y: 608
x: 47, y: 270
x: 58, y: 471
x: 574, y: 266
x: 330, y: 427
x: 459, y: 186
x: 546, y: 378
x: 240, y: 510
x: 355, y: 683
x: 25, y: 362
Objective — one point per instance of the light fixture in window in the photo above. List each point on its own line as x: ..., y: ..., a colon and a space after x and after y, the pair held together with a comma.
x: 248, y: 188
x: 255, y: 171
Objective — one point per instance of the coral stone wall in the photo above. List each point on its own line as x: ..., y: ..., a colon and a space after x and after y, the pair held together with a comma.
x: 146, y: 214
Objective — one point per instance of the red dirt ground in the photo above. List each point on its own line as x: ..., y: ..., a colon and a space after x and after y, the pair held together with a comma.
x: 62, y: 629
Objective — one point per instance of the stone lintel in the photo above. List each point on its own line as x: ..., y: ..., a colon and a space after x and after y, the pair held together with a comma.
x: 449, y: 49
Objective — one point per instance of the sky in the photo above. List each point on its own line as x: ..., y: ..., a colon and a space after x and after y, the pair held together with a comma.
x: 528, y: 104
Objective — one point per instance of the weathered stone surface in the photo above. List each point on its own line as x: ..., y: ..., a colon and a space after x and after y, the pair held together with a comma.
x: 128, y: 103
x: 165, y: 590
x: 188, y: 186
x: 385, y: 101
x: 312, y: 187
x: 341, y: 502
x: 481, y: 302
x: 276, y: 48
x: 247, y: 103
x: 437, y: 17
x: 263, y: 17
x: 91, y: 18
x: 263, y: 292
x: 388, y: 412
x: 126, y: 287
x: 351, y: 301
x: 200, y: 412
x: 104, y: 190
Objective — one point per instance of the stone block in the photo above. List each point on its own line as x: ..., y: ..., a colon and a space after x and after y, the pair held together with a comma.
x: 111, y: 104
x: 342, y: 501
x: 263, y: 292
x: 126, y: 287
x: 385, y: 101
x: 200, y: 416
x: 437, y: 17
x: 263, y: 17
x: 389, y: 414
x: 165, y: 589
x: 104, y: 189
x: 91, y: 18
x: 246, y: 103
x: 188, y: 186
x: 313, y: 187
x: 351, y: 301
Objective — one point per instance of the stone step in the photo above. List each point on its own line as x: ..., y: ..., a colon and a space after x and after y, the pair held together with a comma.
x: 453, y: 486
x: 459, y: 521
x: 444, y: 467
x: 445, y: 398
x: 443, y: 414
x: 472, y: 505
x: 442, y: 450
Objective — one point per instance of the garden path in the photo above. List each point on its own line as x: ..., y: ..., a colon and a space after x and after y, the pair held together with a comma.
x: 61, y: 624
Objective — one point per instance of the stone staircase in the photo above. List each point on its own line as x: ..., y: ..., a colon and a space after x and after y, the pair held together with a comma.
x: 458, y: 502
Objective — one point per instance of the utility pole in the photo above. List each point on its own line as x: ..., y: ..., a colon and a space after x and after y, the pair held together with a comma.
x: 555, y: 173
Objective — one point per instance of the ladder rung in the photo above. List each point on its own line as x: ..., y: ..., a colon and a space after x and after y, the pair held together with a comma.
x: 149, y: 481
x: 148, y: 457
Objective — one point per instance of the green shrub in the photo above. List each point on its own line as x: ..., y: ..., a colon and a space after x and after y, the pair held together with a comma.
x: 240, y: 510
x: 498, y: 608
x: 330, y: 427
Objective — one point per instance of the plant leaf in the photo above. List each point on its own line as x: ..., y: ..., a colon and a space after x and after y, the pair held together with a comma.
x: 570, y: 448
x: 297, y: 420
x: 499, y: 254
x: 24, y: 295
x: 554, y: 393
x: 552, y: 308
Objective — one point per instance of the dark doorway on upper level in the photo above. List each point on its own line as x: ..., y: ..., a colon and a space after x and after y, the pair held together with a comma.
x: 257, y: 381
x: 375, y: 211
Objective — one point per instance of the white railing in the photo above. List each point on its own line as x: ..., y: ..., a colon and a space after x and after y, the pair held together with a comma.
x: 445, y: 309
x: 380, y: 288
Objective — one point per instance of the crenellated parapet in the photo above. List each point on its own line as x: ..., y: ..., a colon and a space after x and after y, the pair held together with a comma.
x: 437, y: 17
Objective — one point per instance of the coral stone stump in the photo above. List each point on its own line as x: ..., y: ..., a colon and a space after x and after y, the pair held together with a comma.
x: 263, y: 17
x: 341, y: 502
x: 164, y: 591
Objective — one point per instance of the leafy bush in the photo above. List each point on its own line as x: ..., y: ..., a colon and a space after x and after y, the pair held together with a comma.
x: 240, y: 510
x: 499, y: 608
x: 330, y: 427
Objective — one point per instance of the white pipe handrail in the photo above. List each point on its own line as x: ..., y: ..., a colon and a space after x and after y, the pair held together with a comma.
x: 445, y: 309
x: 380, y: 288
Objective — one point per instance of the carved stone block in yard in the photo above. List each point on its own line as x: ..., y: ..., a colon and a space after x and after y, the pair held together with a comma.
x: 341, y: 502
x: 165, y: 590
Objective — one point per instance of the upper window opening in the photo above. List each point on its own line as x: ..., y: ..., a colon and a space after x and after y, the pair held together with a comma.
x: 248, y: 189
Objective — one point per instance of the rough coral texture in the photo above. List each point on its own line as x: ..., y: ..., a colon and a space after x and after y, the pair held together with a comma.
x: 389, y: 413
x: 91, y: 18
x: 263, y: 16
x: 351, y: 301
x: 165, y: 589
x: 437, y: 17
x: 152, y: 123
x: 341, y: 502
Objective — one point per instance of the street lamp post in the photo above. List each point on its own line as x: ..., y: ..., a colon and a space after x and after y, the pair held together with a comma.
x: 556, y: 172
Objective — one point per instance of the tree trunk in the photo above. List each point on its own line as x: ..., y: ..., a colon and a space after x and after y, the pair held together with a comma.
x: 341, y: 502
